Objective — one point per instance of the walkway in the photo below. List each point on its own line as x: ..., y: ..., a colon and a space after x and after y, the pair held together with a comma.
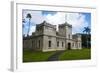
x: 55, y: 57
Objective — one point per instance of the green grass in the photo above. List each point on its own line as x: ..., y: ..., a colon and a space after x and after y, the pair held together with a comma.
x: 76, y: 54
x: 35, y: 56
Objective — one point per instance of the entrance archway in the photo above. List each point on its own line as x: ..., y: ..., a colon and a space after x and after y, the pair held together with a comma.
x: 69, y: 46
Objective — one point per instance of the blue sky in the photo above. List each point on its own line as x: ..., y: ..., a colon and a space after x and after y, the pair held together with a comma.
x: 77, y: 20
x: 48, y: 12
x: 87, y: 17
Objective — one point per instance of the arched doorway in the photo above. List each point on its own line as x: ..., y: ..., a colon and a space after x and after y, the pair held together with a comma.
x: 69, y: 46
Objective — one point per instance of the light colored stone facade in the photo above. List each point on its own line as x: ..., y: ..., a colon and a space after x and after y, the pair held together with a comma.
x: 46, y: 38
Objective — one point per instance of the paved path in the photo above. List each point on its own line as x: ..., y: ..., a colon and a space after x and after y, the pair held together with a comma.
x: 55, y: 57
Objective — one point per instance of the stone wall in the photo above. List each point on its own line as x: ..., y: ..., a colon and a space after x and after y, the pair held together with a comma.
x: 46, y: 39
x: 37, y: 43
x: 60, y: 43
x: 27, y: 44
x: 46, y: 45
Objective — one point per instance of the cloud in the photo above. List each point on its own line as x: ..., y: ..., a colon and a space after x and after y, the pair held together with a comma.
x: 56, y: 19
x: 77, y: 20
x: 32, y: 29
x: 37, y: 18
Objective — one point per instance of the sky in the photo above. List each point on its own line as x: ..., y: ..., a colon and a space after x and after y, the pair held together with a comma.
x: 77, y: 20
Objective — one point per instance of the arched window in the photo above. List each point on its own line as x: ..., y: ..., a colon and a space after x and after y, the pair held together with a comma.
x: 73, y: 44
x: 57, y: 43
x: 62, y: 44
x: 39, y: 43
x: 49, y: 43
x: 79, y: 44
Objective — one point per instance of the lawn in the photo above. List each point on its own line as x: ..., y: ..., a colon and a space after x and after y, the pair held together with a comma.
x: 76, y: 54
x: 35, y: 56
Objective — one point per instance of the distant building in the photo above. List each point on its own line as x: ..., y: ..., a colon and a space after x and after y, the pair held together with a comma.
x: 46, y: 38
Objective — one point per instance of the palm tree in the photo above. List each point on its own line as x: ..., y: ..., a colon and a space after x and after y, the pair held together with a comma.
x: 23, y: 26
x: 29, y: 17
x: 87, y: 31
x: 23, y: 21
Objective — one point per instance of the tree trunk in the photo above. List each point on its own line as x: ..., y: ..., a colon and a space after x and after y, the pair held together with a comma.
x: 87, y: 40
x: 28, y: 28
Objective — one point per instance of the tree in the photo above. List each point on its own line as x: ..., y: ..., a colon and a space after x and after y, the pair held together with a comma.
x: 29, y: 17
x: 23, y: 26
x: 23, y: 20
x: 87, y: 31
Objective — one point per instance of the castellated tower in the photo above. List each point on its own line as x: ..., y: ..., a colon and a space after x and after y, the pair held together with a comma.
x: 65, y: 30
x: 46, y: 33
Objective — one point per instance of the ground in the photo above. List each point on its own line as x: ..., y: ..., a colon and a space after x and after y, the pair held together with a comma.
x: 33, y: 56
x: 76, y: 54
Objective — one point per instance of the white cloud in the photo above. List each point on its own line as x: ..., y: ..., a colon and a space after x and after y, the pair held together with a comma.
x: 32, y: 29
x: 56, y: 19
x: 77, y: 20
x: 37, y: 18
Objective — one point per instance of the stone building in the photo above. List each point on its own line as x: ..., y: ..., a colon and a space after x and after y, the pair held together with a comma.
x: 46, y: 38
